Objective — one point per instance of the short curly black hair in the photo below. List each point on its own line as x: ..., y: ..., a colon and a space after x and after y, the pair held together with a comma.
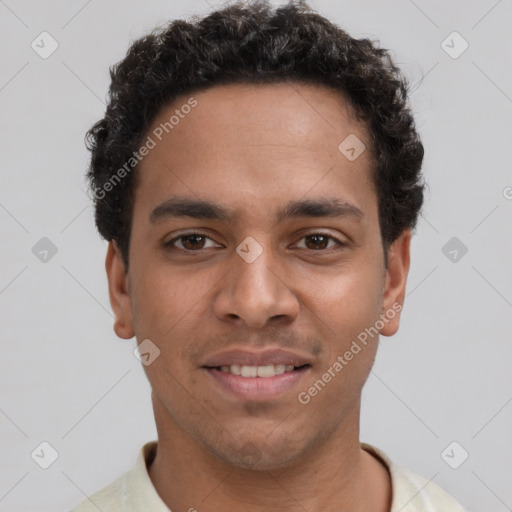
x: 254, y: 42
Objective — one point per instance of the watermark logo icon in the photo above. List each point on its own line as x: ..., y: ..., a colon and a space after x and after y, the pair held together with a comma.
x: 454, y: 249
x: 249, y: 249
x: 44, y: 250
x: 44, y: 455
x: 454, y: 45
x: 250, y: 453
x: 352, y: 147
x: 454, y: 455
x: 44, y: 45
x: 146, y: 352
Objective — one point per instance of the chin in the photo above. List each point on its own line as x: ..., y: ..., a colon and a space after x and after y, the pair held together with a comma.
x: 257, y: 456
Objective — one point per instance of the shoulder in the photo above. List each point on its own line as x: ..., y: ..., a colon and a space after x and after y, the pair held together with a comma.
x: 133, y: 491
x: 109, y: 499
x: 413, y: 492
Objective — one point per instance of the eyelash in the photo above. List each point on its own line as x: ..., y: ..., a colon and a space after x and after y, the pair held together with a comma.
x: 170, y: 244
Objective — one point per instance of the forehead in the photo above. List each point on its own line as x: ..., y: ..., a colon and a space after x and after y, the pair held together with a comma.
x: 255, y: 145
x: 303, y: 115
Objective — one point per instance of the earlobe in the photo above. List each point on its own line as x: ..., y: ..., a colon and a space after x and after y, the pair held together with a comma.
x: 396, y: 279
x: 120, y: 299
x: 121, y: 331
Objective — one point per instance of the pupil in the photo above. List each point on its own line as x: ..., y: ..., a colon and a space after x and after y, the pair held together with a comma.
x: 195, y: 240
x: 317, y: 238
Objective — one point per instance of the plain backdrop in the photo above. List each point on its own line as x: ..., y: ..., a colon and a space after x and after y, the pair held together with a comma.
x: 67, y: 380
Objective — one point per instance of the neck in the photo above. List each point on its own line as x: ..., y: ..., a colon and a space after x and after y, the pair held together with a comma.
x: 335, y: 474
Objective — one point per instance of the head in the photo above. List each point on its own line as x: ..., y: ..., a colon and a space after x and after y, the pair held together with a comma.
x: 257, y: 174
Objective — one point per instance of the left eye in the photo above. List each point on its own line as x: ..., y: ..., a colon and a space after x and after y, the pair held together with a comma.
x: 319, y: 241
x: 194, y: 242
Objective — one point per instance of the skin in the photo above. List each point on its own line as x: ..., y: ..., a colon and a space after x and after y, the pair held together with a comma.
x: 253, y: 149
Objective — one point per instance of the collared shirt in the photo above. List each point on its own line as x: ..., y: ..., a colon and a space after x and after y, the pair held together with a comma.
x: 134, y: 491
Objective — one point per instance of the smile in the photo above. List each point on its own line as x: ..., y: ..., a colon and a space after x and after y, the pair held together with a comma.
x: 269, y: 370
x: 257, y: 383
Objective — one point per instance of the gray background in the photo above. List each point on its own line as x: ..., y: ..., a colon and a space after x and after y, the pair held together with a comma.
x: 66, y: 378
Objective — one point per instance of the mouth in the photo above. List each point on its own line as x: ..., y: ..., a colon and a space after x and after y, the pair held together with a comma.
x: 257, y: 383
x: 256, y: 376
x: 264, y: 372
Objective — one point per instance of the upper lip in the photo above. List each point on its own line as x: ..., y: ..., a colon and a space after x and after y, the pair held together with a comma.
x: 248, y: 358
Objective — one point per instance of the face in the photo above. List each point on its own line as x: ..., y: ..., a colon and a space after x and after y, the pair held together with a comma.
x: 255, y: 249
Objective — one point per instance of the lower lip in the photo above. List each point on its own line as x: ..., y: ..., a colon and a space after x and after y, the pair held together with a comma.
x: 254, y: 388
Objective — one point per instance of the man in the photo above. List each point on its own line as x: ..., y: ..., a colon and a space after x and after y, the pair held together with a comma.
x: 257, y: 174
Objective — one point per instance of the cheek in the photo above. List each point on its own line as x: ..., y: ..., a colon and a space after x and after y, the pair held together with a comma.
x: 347, y: 301
x: 162, y: 300
x: 349, y: 306
x: 170, y: 307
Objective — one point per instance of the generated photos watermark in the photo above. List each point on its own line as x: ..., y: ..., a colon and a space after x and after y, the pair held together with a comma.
x: 151, y: 142
x: 342, y: 361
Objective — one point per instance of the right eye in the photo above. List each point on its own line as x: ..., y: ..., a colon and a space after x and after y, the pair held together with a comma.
x: 190, y: 242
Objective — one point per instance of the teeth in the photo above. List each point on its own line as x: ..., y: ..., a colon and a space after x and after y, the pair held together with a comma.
x: 266, y: 371
x: 279, y: 368
x: 257, y: 371
x: 249, y: 371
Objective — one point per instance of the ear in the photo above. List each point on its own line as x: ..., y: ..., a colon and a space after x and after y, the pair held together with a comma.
x: 118, y: 289
x: 394, y: 286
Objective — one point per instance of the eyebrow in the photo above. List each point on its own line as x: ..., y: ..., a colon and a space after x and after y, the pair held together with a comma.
x: 180, y: 207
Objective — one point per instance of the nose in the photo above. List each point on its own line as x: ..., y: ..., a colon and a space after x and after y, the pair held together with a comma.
x: 257, y: 293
